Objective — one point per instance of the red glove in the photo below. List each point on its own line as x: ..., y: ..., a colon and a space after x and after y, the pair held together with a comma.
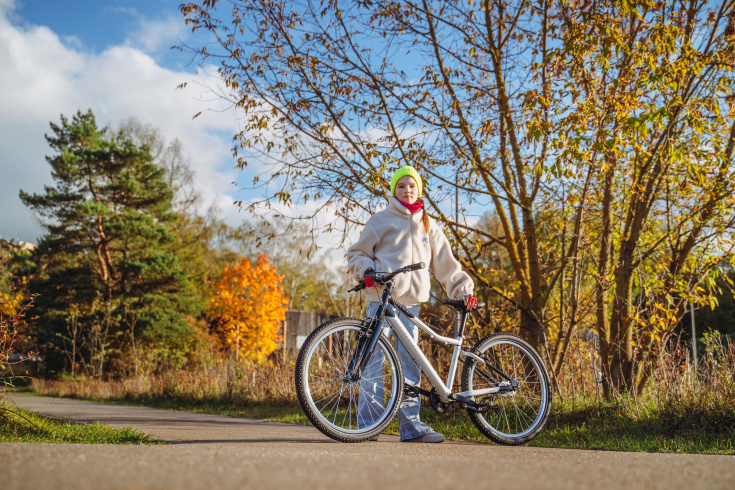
x: 367, y: 279
x: 470, y: 302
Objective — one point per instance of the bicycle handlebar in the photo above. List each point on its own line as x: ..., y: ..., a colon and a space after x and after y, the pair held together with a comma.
x: 384, y: 277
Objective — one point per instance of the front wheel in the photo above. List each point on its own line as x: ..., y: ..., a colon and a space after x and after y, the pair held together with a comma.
x: 515, y: 416
x: 347, y: 410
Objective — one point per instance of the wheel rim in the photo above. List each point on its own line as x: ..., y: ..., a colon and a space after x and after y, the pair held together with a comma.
x: 349, y: 407
x: 519, y: 412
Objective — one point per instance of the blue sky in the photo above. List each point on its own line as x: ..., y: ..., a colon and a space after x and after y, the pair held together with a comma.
x: 102, y: 24
x: 99, y: 24
x: 115, y: 58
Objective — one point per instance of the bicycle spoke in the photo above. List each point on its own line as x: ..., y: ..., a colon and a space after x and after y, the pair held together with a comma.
x: 323, y: 387
x: 335, y: 360
x: 330, y: 396
x: 516, y: 411
x: 336, y: 408
x: 372, y: 362
x: 341, y: 407
x: 349, y: 405
x: 327, y: 371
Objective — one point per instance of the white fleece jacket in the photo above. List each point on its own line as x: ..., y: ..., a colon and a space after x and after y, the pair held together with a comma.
x: 394, y: 238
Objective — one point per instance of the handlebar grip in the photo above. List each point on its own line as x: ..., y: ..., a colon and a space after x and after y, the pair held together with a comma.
x: 415, y: 267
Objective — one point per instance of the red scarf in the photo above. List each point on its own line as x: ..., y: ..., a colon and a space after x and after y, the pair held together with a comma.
x: 412, y: 207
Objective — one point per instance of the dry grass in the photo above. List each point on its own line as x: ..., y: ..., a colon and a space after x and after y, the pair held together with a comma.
x: 677, y: 403
x: 679, y: 412
x: 223, y: 383
x: 674, y: 391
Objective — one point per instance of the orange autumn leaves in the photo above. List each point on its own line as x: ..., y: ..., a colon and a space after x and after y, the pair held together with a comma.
x: 248, y: 304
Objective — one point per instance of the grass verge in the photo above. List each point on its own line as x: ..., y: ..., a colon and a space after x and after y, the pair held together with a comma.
x: 611, y: 427
x: 18, y: 425
x: 604, y: 428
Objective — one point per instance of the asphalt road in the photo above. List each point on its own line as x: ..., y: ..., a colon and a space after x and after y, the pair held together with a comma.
x: 223, y: 452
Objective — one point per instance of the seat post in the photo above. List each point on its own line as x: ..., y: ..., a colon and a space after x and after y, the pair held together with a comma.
x: 460, y: 318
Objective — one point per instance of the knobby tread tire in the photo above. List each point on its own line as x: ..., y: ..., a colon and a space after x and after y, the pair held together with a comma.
x: 301, y: 392
x: 477, y: 418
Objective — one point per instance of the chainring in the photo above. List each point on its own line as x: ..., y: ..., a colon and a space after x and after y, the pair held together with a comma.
x: 437, y: 403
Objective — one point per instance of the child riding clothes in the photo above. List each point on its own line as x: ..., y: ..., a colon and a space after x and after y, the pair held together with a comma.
x: 395, y: 237
x: 401, y: 235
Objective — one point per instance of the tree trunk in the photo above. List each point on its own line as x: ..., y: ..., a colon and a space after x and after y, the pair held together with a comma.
x: 601, y: 309
x: 621, y: 331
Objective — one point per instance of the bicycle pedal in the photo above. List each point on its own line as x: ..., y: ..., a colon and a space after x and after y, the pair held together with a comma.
x: 411, y: 391
x: 487, y: 408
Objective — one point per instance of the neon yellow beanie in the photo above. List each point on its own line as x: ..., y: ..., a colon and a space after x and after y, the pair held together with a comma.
x: 402, y: 172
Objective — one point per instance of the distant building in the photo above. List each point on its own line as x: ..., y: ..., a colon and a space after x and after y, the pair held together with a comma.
x: 27, y: 246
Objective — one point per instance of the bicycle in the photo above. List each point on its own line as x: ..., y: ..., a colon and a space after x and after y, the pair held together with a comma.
x: 505, y: 386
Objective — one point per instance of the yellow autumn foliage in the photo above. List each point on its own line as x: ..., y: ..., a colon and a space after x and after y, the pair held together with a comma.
x: 249, y: 305
x: 10, y: 303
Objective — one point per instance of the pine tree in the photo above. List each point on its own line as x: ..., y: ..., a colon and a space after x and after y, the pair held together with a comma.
x: 108, y: 281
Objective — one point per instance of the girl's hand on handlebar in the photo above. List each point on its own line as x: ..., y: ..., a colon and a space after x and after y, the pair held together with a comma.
x: 469, y: 301
x: 368, y: 278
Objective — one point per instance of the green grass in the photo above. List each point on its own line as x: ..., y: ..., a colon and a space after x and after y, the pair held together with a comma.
x: 18, y: 425
x: 605, y: 427
x: 610, y: 428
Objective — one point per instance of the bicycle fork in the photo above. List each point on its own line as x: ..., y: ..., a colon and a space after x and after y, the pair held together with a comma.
x: 367, y: 341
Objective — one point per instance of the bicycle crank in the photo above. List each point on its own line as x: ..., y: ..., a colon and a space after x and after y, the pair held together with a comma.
x: 437, y: 403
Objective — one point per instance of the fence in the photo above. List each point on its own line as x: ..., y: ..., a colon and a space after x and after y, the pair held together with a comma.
x: 297, y: 326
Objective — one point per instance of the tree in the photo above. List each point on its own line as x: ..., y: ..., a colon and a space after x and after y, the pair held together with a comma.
x: 653, y: 82
x: 107, y: 279
x: 310, y: 79
x: 309, y: 276
x: 202, y: 242
x: 248, y: 306
x: 607, y: 117
x: 719, y: 316
x: 14, y: 264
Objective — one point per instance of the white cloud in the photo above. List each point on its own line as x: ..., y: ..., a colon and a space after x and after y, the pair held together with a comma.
x: 44, y: 76
x: 156, y: 35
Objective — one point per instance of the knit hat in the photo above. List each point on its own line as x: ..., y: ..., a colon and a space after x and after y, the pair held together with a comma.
x: 402, y: 172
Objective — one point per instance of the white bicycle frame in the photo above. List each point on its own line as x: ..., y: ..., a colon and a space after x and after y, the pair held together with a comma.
x: 444, y: 390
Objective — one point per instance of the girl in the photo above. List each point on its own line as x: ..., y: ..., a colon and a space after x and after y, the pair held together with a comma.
x: 400, y: 235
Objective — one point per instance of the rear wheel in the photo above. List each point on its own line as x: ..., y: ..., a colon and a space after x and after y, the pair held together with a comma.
x: 346, y: 410
x: 515, y: 417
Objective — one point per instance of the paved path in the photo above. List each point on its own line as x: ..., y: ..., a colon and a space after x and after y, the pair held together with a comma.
x: 224, y: 452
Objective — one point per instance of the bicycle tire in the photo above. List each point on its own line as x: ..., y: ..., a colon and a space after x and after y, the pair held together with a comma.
x: 324, y: 410
x: 515, y: 417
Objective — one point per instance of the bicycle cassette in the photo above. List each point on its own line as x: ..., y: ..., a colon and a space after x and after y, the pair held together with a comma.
x: 506, y: 394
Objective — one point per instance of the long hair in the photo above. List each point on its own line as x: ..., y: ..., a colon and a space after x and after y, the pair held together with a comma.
x: 424, y: 216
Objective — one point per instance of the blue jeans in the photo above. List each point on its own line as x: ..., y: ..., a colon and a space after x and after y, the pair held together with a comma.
x: 371, y: 387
